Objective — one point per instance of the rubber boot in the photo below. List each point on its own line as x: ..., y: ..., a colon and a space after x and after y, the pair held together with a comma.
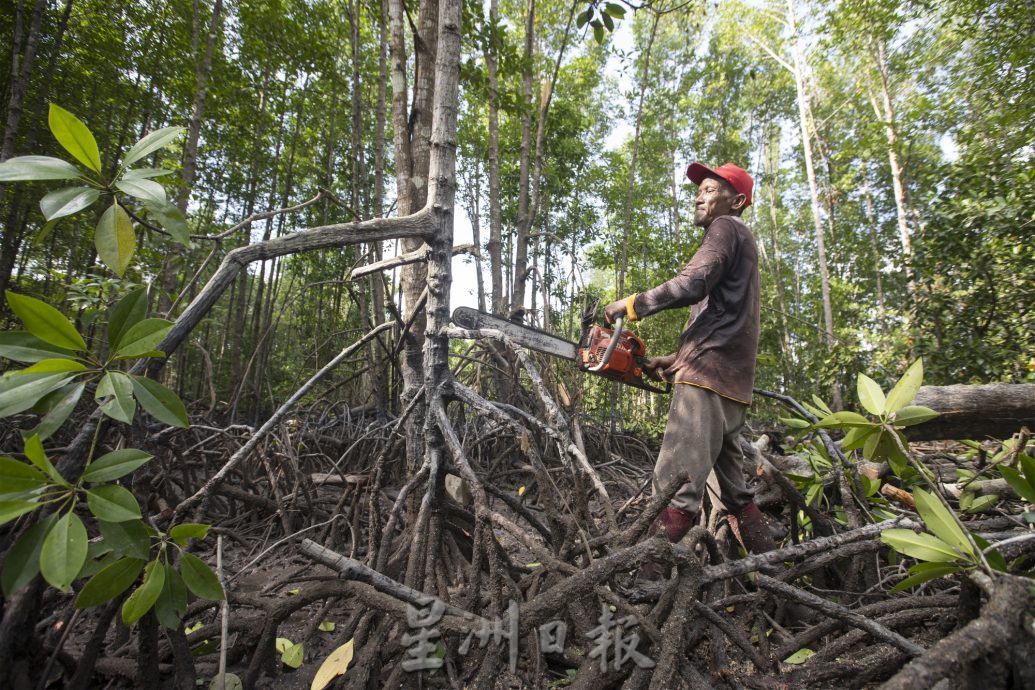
x: 751, y: 529
x: 675, y: 523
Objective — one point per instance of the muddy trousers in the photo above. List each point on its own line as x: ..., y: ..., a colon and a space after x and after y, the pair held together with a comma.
x: 702, y: 434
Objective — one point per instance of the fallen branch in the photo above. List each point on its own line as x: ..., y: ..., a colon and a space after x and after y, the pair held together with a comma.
x: 995, y: 631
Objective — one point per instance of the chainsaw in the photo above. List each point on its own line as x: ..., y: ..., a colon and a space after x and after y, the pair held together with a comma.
x: 615, y: 354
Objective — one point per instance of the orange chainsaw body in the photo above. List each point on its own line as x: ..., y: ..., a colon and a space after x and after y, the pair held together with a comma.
x: 625, y: 364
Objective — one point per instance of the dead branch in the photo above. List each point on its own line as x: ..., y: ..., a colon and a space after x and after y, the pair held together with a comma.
x: 274, y: 420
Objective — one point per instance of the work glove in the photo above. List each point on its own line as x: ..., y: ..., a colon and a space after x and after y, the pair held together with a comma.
x: 614, y: 310
x: 656, y: 368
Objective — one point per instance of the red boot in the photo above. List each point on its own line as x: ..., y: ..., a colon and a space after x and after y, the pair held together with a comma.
x: 751, y: 529
x: 676, y: 524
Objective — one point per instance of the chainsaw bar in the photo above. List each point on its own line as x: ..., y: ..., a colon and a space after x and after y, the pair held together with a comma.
x: 526, y: 336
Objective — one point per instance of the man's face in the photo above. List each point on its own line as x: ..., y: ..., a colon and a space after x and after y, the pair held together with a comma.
x: 714, y: 199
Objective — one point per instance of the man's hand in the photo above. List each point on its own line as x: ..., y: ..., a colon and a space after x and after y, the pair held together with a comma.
x: 614, y: 310
x: 656, y: 368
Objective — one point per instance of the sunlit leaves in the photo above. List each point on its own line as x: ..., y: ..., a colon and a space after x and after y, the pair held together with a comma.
x: 151, y: 143
x: 74, y: 136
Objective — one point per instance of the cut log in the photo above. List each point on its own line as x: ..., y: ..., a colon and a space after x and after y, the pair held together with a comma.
x: 975, y: 412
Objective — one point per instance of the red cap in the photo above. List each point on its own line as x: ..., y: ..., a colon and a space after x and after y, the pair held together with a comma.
x: 735, y: 175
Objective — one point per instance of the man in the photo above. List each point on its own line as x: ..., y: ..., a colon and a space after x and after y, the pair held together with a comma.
x: 714, y: 368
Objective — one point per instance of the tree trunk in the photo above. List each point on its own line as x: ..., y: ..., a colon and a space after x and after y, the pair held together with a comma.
x: 413, y: 155
x: 817, y: 221
x: 517, y: 294
x: 170, y: 269
x: 21, y: 72
x: 996, y: 410
x: 495, y: 219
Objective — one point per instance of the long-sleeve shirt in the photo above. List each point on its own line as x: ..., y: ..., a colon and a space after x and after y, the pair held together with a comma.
x: 718, y: 349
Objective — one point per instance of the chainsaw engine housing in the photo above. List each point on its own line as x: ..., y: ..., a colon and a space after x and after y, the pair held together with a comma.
x: 624, y: 364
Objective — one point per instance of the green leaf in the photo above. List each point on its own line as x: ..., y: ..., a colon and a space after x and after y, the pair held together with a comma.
x: 327, y: 626
x: 68, y: 201
x: 115, y: 239
x: 905, y: 390
x: 982, y: 504
x: 109, y: 582
x: 22, y: 563
x: 16, y: 477
x: 608, y: 21
x: 598, y: 33
x: 1018, y: 483
x: 74, y: 136
x: 145, y: 190
x: 25, y: 347
x: 994, y: 558
x: 172, y: 219
x: 856, y: 436
x: 1027, y: 464
x: 616, y: 11
x: 940, y: 521
x: 9, y: 510
x: 924, y: 547
x: 52, y: 366
x: 127, y: 313
x: 818, y: 402
x: 64, y: 551
x: 795, y: 423
x: 23, y: 168
x: 115, y: 464
x: 914, y: 414
x: 128, y: 538
x: 870, y: 395
x: 922, y: 572
x: 112, y: 503
x: 44, y: 232
x: 20, y: 392
x: 116, y: 390
x: 290, y: 653
x: 151, y: 143
x: 98, y: 557
x: 231, y: 681
x: 583, y: 17
x: 144, y: 597
x: 800, y: 656
x: 145, y: 173
x: 183, y: 533
x: 143, y: 337
x: 38, y: 457
x: 843, y: 418
x: 172, y: 602
x: 199, y: 577
x: 45, y: 322
x: 58, y: 412
x: 160, y: 402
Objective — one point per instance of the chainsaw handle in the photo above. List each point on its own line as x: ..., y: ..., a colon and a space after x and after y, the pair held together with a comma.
x: 610, y: 346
